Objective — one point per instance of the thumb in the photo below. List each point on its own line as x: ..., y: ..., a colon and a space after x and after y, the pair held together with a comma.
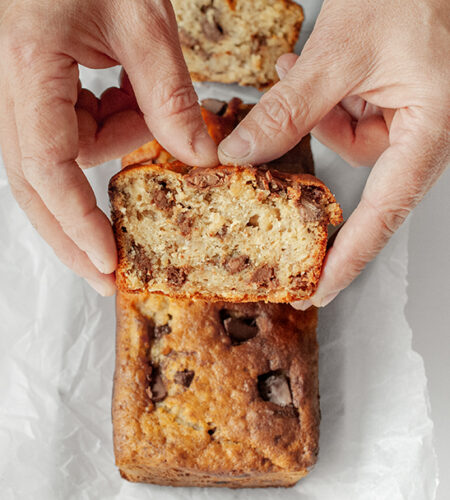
x: 313, y: 84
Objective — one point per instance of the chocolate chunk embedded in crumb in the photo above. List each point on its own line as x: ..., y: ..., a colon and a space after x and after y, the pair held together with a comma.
x: 274, y: 387
x: 162, y: 198
x: 264, y: 276
x: 205, y: 180
x: 141, y: 261
x: 184, y: 377
x: 237, y: 264
x: 176, y: 276
x: 238, y: 329
x: 185, y: 224
x: 157, y: 390
x: 161, y: 330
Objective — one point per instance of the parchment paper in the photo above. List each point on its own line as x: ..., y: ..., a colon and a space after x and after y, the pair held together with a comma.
x: 57, y: 359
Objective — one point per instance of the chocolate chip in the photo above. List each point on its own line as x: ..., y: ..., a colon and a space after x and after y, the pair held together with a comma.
x: 211, y: 28
x: 161, y: 197
x: 274, y: 387
x: 264, y: 276
x: 237, y: 264
x: 123, y: 229
x: 313, y: 193
x: 161, y: 330
x: 239, y: 329
x: 184, y: 378
x: 157, y: 390
x: 176, y: 276
x: 204, y: 180
x: 185, y: 224
x: 215, y: 106
x: 211, y: 431
x: 142, y: 262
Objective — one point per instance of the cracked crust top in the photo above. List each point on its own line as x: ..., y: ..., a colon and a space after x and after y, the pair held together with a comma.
x: 227, y: 393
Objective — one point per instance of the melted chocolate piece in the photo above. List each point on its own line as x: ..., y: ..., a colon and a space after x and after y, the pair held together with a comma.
x: 184, y: 377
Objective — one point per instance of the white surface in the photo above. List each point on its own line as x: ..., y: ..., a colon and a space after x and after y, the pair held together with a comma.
x: 56, y: 361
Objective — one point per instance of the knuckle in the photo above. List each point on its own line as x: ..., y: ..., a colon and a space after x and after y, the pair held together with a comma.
x: 282, y: 112
x: 174, y: 100
x: 390, y: 214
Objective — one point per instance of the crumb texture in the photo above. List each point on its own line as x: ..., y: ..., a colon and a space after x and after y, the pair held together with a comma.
x: 237, y: 41
x: 230, y: 233
x: 214, y: 394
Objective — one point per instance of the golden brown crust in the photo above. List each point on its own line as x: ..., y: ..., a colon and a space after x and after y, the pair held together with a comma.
x: 218, y: 429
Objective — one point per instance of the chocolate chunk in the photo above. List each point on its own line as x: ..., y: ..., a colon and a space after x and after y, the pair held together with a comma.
x: 176, y: 276
x: 161, y: 198
x: 239, y: 329
x: 184, y: 378
x: 274, y: 387
x: 185, y: 224
x: 157, y: 390
x: 237, y: 264
x: 313, y: 193
x: 161, y: 330
x: 204, y: 180
x: 123, y: 229
x: 141, y: 261
x: 264, y: 276
x: 212, y: 30
x: 211, y: 431
x: 215, y: 106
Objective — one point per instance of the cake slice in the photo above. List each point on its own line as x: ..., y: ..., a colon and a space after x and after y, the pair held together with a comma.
x: 238, y: 234
x: 237, y: 41
x: 214, y: 394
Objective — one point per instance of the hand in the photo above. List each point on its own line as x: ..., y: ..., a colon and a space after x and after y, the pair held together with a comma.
x: 372, y: 83
x: 50, y: 127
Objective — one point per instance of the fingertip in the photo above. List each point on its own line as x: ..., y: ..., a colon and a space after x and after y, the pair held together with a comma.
x: 301, y: 305
x: 284, y: 64
x: 204, y: 150
x: 236, y: 148
x: 104, y: 287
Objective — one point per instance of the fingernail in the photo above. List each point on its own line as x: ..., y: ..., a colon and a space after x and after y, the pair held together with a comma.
x: 238, y: 145
x: 301, y: 305
x: 326, y: 300
x: 98, y: 263
x: 281, y: 71
x: 99, y: 287
x: 203, y: 143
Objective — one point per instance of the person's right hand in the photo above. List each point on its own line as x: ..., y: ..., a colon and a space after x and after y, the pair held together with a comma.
x: 50, y: 127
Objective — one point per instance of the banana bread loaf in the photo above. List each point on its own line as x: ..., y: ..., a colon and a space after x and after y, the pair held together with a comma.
x: 236, y: 41
x: 214, y: 394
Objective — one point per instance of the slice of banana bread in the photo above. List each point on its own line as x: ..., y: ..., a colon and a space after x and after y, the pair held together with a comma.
x: 223, y: 233
x: 214, y: 394
x: 237, y: 41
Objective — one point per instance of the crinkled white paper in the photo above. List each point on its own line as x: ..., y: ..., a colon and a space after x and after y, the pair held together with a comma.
x: 57, y: 361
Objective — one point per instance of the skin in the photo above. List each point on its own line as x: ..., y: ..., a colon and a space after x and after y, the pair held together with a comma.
x: 371, y: 83
x: 51, y: 128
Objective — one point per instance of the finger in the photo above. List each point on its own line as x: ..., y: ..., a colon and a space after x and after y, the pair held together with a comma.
x: 359, y: 141
x: 38, y: 214
x: 109, y: 127
x: 147, y: 46
x: 417, y: 156
x: 48, y: 143
x: 313, y: 85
